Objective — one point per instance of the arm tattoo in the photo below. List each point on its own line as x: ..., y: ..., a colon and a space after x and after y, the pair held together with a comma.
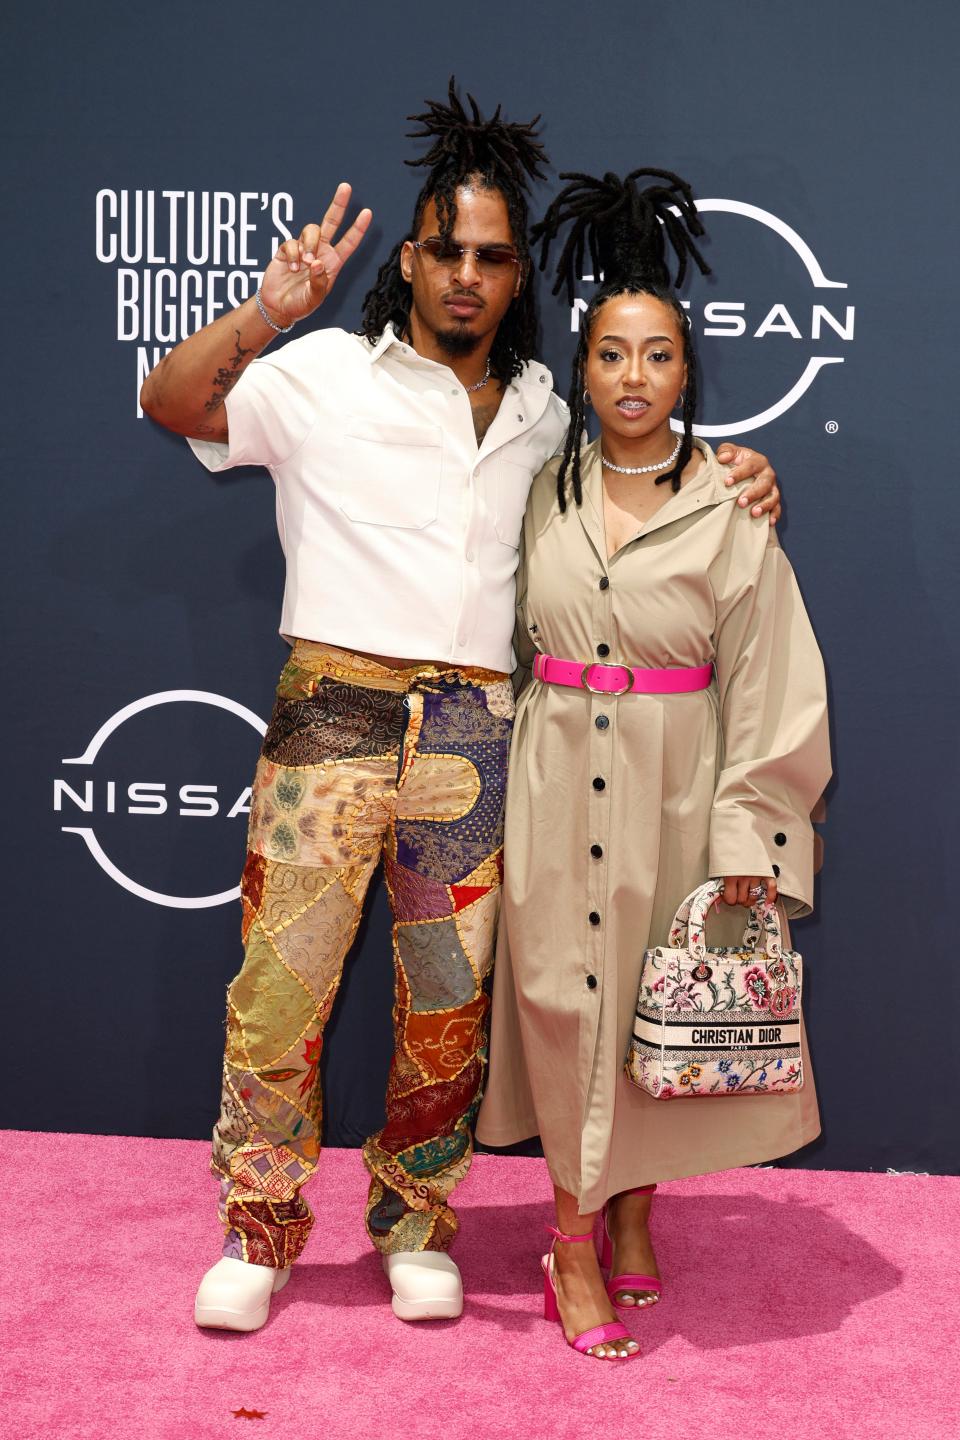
x: 227, y: 376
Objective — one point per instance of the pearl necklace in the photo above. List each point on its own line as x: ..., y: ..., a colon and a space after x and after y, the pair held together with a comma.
x: 644, y: 469
x: 480, y: 383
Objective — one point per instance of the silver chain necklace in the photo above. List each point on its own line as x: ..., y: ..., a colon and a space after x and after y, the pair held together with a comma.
x: 480, y: 383
x: 643, y: 469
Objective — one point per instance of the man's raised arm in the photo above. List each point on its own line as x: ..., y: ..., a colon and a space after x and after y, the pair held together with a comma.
x: 186, y: 391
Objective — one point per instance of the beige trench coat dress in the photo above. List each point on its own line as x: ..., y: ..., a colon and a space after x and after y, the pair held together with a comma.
x: 618, y: 807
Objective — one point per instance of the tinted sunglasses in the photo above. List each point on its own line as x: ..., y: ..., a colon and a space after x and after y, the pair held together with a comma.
x: 447, y: 252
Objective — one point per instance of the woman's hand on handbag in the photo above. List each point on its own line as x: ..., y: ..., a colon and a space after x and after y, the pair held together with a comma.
x: 743, y: 889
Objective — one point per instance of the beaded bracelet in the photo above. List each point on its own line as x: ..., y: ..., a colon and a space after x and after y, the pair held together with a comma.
x: 280, y: 329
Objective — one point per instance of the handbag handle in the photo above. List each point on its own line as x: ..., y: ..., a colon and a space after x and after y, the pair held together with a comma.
x: 689, y: 923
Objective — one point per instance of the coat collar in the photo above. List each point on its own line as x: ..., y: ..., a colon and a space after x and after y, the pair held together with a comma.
x: 706, y: 489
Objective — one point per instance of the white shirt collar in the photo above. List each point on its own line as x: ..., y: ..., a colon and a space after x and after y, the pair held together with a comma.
x: 533, y: 373
x: 388, y: 338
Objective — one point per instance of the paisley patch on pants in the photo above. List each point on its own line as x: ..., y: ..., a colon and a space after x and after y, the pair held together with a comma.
x: 267, y: 1007
x: 438, y: 973
x: 441, y: 1045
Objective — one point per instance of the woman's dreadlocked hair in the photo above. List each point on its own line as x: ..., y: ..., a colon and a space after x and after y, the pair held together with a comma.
x: 624, y: 230
x: 497, y: 155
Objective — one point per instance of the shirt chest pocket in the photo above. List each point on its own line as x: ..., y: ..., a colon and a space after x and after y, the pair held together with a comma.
x: 516, y: 467
x: 390, y: 474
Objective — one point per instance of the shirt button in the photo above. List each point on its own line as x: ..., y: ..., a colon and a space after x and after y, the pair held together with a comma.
x: 454, y: 392
x: 601, y: 722
x: 520, y: 418
x: 470, y: 557
x: 596, y: 851
x: 591, y: 982
x: 779, y: 838
x: 462, y: 641
x: 603, y: 649
x: 604, y: 583
x: 594, y: 917
x: 599, y: 783
x: 776, y: 871
x: 543, y: 379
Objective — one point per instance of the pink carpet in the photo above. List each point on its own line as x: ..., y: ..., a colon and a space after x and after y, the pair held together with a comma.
x: 800, y: 1305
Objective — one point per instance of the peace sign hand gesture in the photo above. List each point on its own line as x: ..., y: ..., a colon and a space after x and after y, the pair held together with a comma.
x: 302, y: 273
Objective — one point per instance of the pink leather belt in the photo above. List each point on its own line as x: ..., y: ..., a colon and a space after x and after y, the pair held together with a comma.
x: 621, y: 679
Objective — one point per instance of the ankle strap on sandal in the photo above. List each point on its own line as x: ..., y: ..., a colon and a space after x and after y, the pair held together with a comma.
x: 568, y: 1239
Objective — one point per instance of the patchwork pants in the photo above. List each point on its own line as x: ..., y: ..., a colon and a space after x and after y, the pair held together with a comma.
x: 360, y: 761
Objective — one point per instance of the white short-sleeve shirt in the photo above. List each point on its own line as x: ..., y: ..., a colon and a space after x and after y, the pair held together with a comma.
x: 400, y: 533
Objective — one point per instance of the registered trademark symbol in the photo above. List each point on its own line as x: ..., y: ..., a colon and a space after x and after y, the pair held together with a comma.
x: 831, y: 427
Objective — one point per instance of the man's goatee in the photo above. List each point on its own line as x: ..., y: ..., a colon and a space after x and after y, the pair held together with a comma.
x: 457, y: 343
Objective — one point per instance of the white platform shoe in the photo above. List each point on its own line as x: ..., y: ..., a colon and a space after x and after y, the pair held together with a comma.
x: 236, y: 1296
x: 426, y: 1285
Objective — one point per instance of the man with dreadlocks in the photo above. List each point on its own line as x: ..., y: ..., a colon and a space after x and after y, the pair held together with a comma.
x: 402, y: 457
x: 673, y: 728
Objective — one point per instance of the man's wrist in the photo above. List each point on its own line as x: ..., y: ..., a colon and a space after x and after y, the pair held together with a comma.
x: 269, y: 319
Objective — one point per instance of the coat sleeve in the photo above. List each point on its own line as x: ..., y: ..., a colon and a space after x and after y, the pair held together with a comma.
x: 523, y: 647
x: 773, y: 713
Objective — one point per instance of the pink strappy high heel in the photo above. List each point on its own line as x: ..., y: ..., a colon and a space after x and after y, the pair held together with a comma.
x: 606, y: 1334
x: 617, y: 1283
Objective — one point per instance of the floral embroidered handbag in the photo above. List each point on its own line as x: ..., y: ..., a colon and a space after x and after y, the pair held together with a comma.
x: 718, y: 1022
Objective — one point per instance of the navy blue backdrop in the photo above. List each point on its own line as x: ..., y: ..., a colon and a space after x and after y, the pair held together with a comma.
x: 152, y: 156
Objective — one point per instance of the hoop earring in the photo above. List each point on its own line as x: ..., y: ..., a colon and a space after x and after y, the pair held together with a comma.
x: 678, y: 403
x: 586, y: 397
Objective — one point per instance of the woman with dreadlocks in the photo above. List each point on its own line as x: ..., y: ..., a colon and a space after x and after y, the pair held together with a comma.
x: 672, y: 727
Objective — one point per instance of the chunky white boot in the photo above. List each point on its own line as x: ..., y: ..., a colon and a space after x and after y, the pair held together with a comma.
x: 236, y: 1296
x: 426, y: 1285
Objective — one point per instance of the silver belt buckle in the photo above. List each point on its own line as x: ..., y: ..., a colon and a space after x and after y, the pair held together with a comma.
x: 585, y: 679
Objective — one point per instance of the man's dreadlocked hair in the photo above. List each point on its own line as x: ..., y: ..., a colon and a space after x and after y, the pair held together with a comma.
x: 624, y: 230
x: 497, y: 155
